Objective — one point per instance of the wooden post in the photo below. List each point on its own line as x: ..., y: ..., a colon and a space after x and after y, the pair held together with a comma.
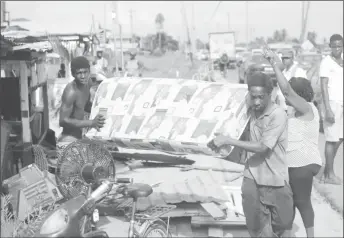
x: 46, y: 106
x: 24, y: 102
x: 121, y: 43
x: 26, y: 154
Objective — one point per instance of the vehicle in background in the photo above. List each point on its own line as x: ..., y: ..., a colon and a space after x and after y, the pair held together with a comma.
x: 308, y: 60
x: 202, y: 55
x: 257, y: 51
x: 256, y: 62
x: 220, y: 44
x: 242, y: 56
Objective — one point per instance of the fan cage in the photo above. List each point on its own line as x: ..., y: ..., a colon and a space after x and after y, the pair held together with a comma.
x: 71, y: 161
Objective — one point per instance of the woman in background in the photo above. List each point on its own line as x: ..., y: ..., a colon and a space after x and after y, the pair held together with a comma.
x: 303, y: 156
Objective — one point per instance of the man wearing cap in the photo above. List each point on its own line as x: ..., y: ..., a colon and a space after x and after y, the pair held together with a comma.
x: 101, y: 63
x: 133, y: 66
x: 291, y: 68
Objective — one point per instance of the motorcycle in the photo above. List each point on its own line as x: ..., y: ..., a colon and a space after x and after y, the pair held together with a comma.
x: 78, y: 216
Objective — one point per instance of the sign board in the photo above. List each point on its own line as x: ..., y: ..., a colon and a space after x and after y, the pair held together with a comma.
x: 171, y: 115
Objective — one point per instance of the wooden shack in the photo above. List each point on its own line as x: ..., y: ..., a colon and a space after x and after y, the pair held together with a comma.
x: 24, y: 98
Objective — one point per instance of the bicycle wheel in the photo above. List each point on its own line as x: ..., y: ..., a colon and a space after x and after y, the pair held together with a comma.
x: 157, y: 229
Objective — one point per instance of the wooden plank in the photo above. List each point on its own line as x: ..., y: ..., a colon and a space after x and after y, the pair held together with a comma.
x: 24, y: 99
x: 186, y: 210
x: 199, y: 221
x: 213, y: 210
x: 183, y: 228
x: 214, y: 231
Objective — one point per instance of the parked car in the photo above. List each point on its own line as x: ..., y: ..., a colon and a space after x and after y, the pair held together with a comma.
x: 242, y: 56
x: 255, y: 62
x: 202, y: 55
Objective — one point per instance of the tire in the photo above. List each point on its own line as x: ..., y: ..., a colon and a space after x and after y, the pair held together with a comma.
x: 157, y: 227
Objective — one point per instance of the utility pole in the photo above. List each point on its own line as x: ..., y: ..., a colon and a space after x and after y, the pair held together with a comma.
x: 131, y: 12
x: 105, y: 23
x: 193, y: 34
x: 120, y: 34
x: 187, y: 30
x: 247, y: 43
x: 115, y: 22
x: 131, y: 23
x: 305, y: 10
x: 228, y: 18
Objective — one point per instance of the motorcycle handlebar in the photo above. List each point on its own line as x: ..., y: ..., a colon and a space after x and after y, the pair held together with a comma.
x: 124, y: 180
x: 117, y: 180
x: 106, y: 186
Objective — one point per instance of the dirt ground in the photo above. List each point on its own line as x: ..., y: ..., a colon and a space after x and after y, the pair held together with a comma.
x: 327, y: 200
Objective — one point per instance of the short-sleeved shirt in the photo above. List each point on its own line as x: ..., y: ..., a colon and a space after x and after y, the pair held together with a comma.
x: 269, y: 169
x: 334, y: 72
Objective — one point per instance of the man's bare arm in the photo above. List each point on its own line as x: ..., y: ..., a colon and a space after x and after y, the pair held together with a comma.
x: 67, y: 104
x: 324, y: 92
x: 249, y: 146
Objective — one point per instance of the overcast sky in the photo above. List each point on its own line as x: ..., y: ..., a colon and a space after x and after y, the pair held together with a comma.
x: 325, y: 17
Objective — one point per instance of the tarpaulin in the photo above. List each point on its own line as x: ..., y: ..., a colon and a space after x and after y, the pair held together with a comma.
x: 174, y: 115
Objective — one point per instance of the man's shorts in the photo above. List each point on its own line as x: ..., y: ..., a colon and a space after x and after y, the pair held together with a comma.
x: 62, y: 143
x: 268, y: 210
x: 334, y: 132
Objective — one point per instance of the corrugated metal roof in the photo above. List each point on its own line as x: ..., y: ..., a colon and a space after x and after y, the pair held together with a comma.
x: 193, y: 186
x: 43, y: 46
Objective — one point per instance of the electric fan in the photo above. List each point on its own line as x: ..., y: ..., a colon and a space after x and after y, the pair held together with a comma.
x: 75, y: 160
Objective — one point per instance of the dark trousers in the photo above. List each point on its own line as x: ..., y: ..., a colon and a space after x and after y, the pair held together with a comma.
x: 268, y: 210
x: 301, y: 182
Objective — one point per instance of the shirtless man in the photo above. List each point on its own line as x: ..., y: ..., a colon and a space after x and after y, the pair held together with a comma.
x: 75, y: 102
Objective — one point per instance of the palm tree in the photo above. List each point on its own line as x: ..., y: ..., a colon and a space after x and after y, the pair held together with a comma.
x: 159, y: 22
x: 284, y: 34
x: 277, y: 36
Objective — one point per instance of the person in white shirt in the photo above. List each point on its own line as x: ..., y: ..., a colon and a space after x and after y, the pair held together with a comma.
x: 331, y: 80
x: 291, y: 67
x: 101, y: 63
x: 133, y: 66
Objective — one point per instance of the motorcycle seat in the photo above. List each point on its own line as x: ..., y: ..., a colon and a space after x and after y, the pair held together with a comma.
x: 138, y: 190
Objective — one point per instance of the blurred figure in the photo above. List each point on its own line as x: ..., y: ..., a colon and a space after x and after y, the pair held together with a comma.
x: 133, y: 66
x: 291, y: 68
x: 62, y: 71
x: 101, y: 63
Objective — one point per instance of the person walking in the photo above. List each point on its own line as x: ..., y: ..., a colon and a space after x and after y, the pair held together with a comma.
x: 331, y: 80
x: 303, y: 156
x: 267, y: 196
